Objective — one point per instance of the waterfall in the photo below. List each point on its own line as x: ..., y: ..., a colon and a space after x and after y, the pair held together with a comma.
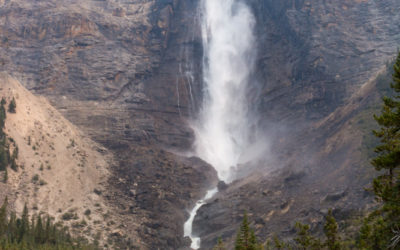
x: 223, y: 131
x: 188, y: 226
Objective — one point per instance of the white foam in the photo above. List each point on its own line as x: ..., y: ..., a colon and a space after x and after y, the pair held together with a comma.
x: 222, y: 130
x: 188, y: 226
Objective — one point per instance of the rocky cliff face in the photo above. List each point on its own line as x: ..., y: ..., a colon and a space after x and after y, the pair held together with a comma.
x: 113, y: 68
x: 315, y: 55
x: 127, y: 74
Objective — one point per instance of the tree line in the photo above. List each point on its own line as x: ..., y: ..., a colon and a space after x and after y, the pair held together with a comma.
x: 35, y: 232
x: 246, y: 239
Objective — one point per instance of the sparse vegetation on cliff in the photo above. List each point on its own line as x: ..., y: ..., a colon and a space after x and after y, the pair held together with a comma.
x: 6, y: 159
x: 12, y: 106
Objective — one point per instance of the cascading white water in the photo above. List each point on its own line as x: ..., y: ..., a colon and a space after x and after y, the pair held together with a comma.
x: 187, y: 227
x: 223, y: 129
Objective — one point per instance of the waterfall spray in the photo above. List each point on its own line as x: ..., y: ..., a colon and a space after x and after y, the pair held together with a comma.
x: 223, y: 130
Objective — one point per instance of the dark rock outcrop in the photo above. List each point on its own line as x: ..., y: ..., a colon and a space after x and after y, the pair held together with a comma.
x: 314, y: 55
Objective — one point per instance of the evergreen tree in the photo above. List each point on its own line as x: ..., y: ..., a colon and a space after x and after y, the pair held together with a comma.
x: 373, y: 233
x: 39, y: 232
x: 5, y: 176
x: 331, y: 232
x: 24, y: 225
x: 2, y: 116
x: 12, y: 106
x: 304, y: 240
x: 3, y: 217
x: 246, y: 239
x: 14, y: 165
x: 379, y: 229
x: 220, y: 245
x: 242, y: 239
x: 388, y: 158
x: 3, y: 157
x: 47, y: 229
x: 4, y: 149
x: 12, y: 228
x: 279, y: 244
x: 253, y: 243
x: 239, y: 244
